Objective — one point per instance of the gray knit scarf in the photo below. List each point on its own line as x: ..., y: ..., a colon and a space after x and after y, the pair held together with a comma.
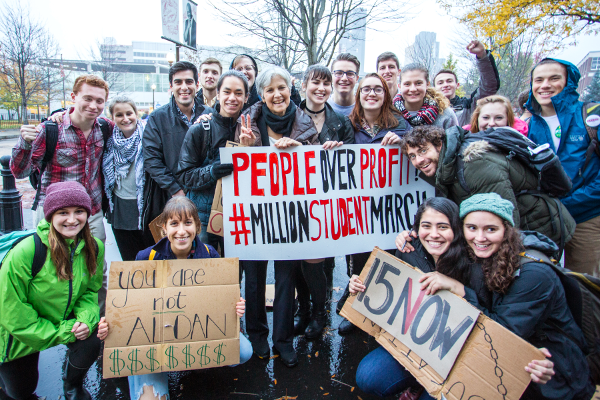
x: 120, y: 152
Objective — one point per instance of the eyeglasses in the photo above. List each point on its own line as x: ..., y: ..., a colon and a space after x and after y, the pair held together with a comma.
x: 368, y: 89
x: 350, y: 74
x: 247, y: 68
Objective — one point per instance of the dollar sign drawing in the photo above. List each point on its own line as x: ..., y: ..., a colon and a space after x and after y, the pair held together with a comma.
x: 150, y: 354
x: 218, y: 351
x: 188, y: 359
x: 204, y: 359
x: 117, y: 364
x: 133, y: 366
x: 172, y: 362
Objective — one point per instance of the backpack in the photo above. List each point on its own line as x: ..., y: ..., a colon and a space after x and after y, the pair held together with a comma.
x: 553, y: 179
x: 35, y: 177
x: 582, y: 292
x: 39, y: 255
x: 591, y: 110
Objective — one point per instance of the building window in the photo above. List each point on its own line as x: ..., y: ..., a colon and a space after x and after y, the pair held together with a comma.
x: 595, y: 63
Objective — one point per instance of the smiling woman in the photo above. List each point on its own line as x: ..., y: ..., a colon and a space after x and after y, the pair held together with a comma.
x: 57, y: 304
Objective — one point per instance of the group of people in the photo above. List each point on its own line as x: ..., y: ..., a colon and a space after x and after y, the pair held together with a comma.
x: 466, y: 241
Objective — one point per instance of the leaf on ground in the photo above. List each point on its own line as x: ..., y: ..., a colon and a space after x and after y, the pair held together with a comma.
x: 181, y: 387
x: 352, y: 390
x: 277, y: 355
x: 333, y: 376
x: 321, y: 387
x: 275, y: 381
x: 286, y: 397
x: 309, y: 356
x: 337, y: 288
x: 235, y: 379
x: 317, y: 354
x: 325, y: 394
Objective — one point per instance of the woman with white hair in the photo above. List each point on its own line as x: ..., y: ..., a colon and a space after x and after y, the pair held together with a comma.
x: 278, y: 122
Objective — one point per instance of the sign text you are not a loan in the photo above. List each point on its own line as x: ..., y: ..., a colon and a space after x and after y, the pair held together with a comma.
x: 309, y: 202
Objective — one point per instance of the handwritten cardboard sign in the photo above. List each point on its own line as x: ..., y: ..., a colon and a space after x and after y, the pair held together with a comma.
x: 435, y: 327
x: 285, y: 204
x: 171, y: 315
x: 490, y: 365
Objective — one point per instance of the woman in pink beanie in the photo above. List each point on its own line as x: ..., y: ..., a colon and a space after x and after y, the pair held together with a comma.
x: 57, y: 304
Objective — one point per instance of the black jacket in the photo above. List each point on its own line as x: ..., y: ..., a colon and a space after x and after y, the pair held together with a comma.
x: 336, y: 127
x: 199, y: 151
x: 161, y: 144
x: 532, y: 308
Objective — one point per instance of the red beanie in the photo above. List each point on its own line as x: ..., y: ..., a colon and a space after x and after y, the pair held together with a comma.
x: 66, y: 194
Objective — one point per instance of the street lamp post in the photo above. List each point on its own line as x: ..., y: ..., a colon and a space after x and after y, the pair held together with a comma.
x: 170, y: 58
x: 153, y: 89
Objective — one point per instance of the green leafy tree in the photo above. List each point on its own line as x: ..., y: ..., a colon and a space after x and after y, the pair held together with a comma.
x: 592, y: 91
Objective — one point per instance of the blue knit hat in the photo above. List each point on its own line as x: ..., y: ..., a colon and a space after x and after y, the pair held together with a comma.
x: 490, y: 202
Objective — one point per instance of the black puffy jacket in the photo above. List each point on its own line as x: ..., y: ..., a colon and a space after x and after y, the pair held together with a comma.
x: 199, y: 151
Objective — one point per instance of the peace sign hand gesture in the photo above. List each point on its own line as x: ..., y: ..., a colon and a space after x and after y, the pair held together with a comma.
x: 247, y: 137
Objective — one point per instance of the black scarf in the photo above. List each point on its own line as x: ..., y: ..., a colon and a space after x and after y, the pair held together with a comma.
x: 281, y: 125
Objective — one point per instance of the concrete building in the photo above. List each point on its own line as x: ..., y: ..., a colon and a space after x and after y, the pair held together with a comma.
x: 133, y: 69
x: 353, y: 41
x: 588, y: 67
x: 425, y: 50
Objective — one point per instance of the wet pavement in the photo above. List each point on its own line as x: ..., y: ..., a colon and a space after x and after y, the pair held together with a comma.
x: 326, y: 368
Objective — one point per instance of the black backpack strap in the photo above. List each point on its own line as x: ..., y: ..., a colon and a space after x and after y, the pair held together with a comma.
x: 105, y: 128
x: 51, y: 142
x: 39, y: 256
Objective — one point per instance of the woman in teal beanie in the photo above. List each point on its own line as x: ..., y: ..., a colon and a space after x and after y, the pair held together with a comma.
x: 528, y: 299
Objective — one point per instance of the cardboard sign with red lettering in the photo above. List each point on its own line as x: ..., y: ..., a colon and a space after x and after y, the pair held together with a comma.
x: 306, y: 202
x: 455, y: 353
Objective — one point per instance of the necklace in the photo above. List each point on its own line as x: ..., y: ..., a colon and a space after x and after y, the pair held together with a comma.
x: 315, y: 112
x: 317, y: 121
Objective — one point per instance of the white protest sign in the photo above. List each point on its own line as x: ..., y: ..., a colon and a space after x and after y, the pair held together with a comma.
x: 307, y: 202
x: 434, y: 327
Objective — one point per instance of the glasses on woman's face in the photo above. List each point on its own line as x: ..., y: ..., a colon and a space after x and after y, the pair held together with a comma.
x: 367, y: 89
x: 349, y: 74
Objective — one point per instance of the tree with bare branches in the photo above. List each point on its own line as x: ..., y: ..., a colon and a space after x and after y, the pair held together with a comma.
x: 298, y: 32
x: 22, y: 44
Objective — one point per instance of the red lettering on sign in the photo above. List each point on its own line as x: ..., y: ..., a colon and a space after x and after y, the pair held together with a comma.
x: 285, y: 169
x: 255, y: 159
x: 381, y: 167
x: 309, y: 171
x: 237, y: 167
x: 393, y: 152
x: 297, y: 189
x: 372, y: 163
x: 351, y: 230
x: 274, y: 173
x: 364, y: 164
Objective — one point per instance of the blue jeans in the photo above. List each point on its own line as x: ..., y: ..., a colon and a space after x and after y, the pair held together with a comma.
x: 379, y: 373
x: 159, y: 382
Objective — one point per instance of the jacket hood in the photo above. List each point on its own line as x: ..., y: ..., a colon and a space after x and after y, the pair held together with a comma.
x: 566, y: 98
x: 476, y: 150
x: 447, y: 160
x: 536, y: 241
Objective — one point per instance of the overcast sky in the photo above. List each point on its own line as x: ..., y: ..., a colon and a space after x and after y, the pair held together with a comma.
x: 78, y: 24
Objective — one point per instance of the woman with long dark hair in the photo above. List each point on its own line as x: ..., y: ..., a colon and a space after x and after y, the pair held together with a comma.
x: 436, y: 246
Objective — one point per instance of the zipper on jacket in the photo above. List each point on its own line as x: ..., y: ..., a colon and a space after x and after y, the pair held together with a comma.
x: 74, y: 247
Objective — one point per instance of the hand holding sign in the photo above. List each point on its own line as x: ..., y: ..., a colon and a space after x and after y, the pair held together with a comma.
x: 390, y: 138
x: 247, y: 137
x: 434, y: 281
x: 541, y: 370
x: 286, y: 142
x: 102, y: 329
x: 355, y: 286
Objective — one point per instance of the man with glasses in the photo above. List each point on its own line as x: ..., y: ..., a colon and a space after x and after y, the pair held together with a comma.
x: 388, y: 67
x: 345, y: 69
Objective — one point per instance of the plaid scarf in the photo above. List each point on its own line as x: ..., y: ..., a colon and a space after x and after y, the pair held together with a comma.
x: 371, y: 131
x: 119, y: 154
x: 425, y: 116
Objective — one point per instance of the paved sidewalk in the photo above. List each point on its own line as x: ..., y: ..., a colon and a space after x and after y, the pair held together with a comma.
x: 9, y: 134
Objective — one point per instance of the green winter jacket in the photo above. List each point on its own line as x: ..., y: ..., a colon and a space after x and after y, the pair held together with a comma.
x: 34, y: 312
x: 486, y: 170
